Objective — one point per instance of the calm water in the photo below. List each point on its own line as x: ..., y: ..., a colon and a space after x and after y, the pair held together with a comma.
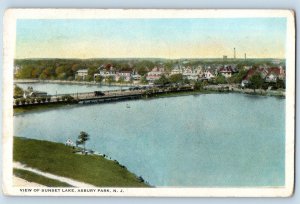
x: 205, y: 140
x: 53, y: 89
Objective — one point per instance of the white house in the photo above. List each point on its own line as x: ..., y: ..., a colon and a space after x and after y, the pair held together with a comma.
x: 155, y: 74
x: 106, y: 71
x: 126, y: 75
x: 208, y: 74
x: 226, y: 71
x: 176, y: 70
x: 82, y: 73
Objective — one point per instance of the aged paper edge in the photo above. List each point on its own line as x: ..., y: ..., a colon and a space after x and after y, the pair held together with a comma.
x: 9, y: 41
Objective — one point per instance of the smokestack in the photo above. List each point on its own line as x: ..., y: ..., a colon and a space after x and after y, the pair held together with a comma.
x: 234, y: 55
x: 245, y: 56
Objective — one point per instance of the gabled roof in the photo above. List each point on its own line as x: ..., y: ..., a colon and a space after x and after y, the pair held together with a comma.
x: 274, y: 70
x: 226, y: 69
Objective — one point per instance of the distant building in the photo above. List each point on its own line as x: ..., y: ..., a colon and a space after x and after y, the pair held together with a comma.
x: 176, y: 70
x: 82, y: 73
x: 227, y: 70
x: 126, y: 75
x: 106, y: 71
x: 155, y: 74
x: 190, y: 74
x: 274, y: 74
x: 208, y: 74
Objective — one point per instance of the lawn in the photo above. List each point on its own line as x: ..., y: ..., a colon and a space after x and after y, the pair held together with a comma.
x: 60, y: 160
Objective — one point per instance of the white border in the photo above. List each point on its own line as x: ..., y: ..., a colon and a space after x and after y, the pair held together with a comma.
x: 11, y: 15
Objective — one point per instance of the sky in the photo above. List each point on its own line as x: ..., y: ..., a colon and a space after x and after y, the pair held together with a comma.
x: 151, y: 38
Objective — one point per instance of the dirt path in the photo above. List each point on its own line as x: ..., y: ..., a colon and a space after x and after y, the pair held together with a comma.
x: 52, y: 176
x: 19, y: 182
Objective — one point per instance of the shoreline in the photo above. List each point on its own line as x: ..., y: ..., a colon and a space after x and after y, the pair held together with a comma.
x: 49, y: 107
x: 214, y: 88
x: 66, y: 164
x: 27, y: 81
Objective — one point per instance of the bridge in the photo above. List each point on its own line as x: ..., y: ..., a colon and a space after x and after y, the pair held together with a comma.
x: 107, y: 96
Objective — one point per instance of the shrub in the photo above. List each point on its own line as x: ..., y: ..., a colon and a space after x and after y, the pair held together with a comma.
x: 43, y: 99
x: 38, y: 100
x: 22, y: 101
x: 27, y: 100
x: 17, y: 101
x: 32, y: 100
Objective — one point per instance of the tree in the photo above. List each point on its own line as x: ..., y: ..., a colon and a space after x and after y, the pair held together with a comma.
x: 144, y: 80
x: 176, y: 78
x: 163, y: 80
x: 198, y: 85
x: 237, y: 78
x: 109, y: 79
x: 98, y: 78
x: 256, y: 81
x: 18, y: 92
x: 220, y: 79
x: 82, y: 138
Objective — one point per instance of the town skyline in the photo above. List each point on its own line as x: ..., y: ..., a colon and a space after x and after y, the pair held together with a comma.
x: 151, y: 38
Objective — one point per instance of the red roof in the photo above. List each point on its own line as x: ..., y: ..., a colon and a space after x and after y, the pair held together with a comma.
x: 249, y: 74
x: 227, y: 69
x: 274, y: 70
x: 108, y: 66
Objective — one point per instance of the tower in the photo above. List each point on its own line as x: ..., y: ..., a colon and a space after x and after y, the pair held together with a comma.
x: 234, y: 54
x: 245, y: 56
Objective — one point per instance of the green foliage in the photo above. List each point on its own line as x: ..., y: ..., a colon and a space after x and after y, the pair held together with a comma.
x: 198, y: 85
x: 110, y: 79
x: 17, y: 101
x: 163, y: 80
x: 60, y: 160
x: 98, y: 79
x: 144, y: 80
x: 176, y: 78
x: 280, y: 84
x: 82, y: 138
x: 18, y: 91
x: 237, y: 78
x: 220, y: 79
x: 121, y: 80
x: 256, y: 81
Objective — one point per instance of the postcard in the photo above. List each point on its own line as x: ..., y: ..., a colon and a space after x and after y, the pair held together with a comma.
x: 143, y: 102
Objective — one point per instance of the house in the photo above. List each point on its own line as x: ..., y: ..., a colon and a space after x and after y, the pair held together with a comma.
x: 106, y: 71
x: 176, y: 70
x: 208, y: 74
x: 246, y: 79
x: 274, y: 74
x: 155, y: 74
x: 126, y: 75
x: 82, y: 73
x: 190, y: 73
x: 262, y: 71
x: 227, y: 70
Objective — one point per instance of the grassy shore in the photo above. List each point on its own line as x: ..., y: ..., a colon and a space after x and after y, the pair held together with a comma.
x: 36, y: 178
x: 58, y: 159
x: 24, y: 109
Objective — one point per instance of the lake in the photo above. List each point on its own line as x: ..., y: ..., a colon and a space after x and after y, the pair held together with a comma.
x: 52, y: 88
x: 208, y: 140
